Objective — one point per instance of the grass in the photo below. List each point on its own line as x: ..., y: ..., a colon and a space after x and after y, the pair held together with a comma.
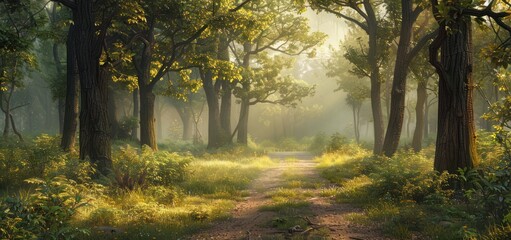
x: 399, y: 195
x: 290, y: 204
x: 207, y: 195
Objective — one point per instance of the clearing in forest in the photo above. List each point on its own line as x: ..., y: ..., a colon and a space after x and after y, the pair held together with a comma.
x: 288, y: 201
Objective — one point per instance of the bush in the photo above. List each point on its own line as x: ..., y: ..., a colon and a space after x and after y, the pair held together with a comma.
x: 319, y: 143
x: 408, y: 176
x: 45, y: 214
x: 132, y: 169
x: 19, y: 161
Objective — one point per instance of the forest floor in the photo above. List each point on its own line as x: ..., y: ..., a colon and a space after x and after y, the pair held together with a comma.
x: 287, y: 202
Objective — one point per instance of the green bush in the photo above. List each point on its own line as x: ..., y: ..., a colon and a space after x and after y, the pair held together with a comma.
x: 408, y: 176
x: 319, y: 144
x: 133, y: 169
x: 45, y: 214
x: 489, y: 188
x: 19, y: 161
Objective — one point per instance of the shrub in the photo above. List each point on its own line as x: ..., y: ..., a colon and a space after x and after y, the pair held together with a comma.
x: 132, y: 169
x: 45, y: 214
x: 319, y: 143
x: 408, y: 176
x: 19, y: 161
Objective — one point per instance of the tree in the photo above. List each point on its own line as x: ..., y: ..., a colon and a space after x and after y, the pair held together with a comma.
x: 161, y: 42
x: 405, y: 55
x: 356, y: 89
x: 456, y: 145
x: 268, y: 84
x: 367, y: 19
x: 422, y: 75
x: 18, y: 28
x: 286, y: 33
x: 91, y: 21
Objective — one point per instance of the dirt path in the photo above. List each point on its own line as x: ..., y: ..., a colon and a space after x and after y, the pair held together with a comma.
x: 249, y: 222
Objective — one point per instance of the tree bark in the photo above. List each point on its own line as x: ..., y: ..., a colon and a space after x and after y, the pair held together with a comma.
x: 419, y: 116
x: 216, y: 136
x: 147, y: 120
x: 455, y: 145
x: 72, y: 92
x: 95, y: 143
x: 243, y: 122
x: 372, y: 58
x: 112, y: 111
x: 375, y: 90
x: 136, y: 111
x: 397, y: 102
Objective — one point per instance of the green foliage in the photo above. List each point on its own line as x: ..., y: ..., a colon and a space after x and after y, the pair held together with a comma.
x: 319, y: 143
x: 133, y: 169
x: 497, y: 233
x: 40, y: 158
x: 44, y: 214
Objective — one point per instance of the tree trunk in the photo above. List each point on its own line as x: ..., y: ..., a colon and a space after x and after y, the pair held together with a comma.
x: 112, y: 111
x: 147, y: 121
x: 356, y: 121
x: 136, y: 111
x: 243, y: 122
x: 397, y: 102
x: 216, y: 137
x: 372, y: 58
x: 419, y: 116
x: 95, y: 141
x: 72, y: 92
x: 7, y: 124
x: 186, y: 116
x: 426, y: 117
x: 225, y: 108
x: 245, y: 102
x: 58, y: 68
x: 455, y: 145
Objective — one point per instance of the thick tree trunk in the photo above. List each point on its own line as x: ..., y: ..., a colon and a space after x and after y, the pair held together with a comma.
x: 147, y: 121
x: 455, y: 145
x: 95, y: 141
x: 72, y: 92
x: 397, y: 105
x: 419, y: 116
x: 216, y: 136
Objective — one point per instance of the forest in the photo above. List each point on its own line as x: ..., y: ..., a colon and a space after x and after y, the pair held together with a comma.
x: 255, y: 119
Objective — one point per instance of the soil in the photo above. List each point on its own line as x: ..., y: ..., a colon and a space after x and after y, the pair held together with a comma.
x: 248, y: 222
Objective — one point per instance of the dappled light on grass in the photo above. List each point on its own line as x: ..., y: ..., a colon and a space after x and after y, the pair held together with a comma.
x: 207, y: 194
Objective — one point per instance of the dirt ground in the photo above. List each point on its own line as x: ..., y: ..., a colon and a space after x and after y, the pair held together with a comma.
x: 248, y: 222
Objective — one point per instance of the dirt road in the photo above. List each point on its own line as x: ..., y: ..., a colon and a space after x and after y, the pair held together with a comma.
x: 325, y: 219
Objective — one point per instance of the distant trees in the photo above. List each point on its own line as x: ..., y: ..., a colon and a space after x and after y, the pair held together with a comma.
x: 366, y: 17
x: 18, y: 30
x: 406, y: 52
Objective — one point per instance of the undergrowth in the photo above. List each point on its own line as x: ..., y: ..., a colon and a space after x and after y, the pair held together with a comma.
x: 407, y: 199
